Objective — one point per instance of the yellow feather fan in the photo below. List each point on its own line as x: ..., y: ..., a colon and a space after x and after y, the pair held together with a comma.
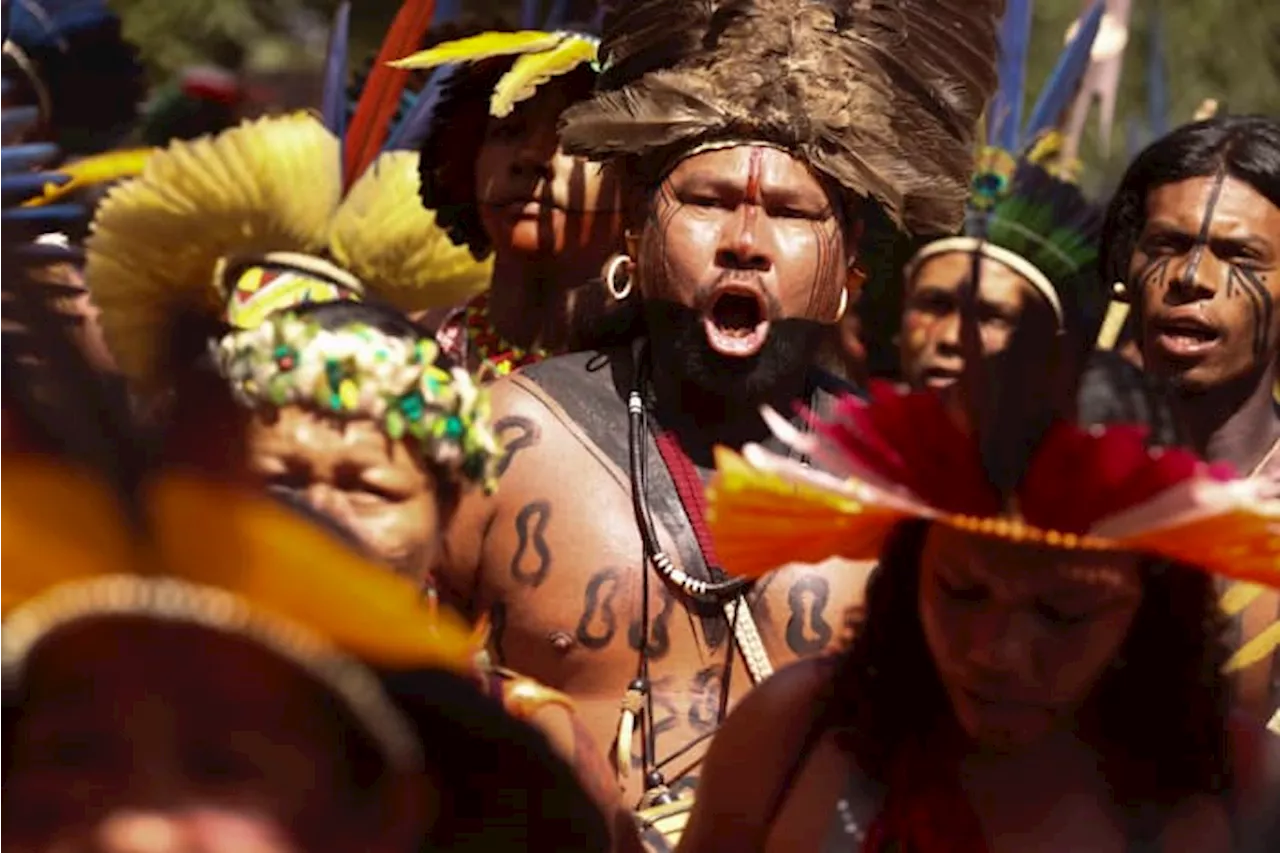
x: 216, y: 535
x: 541, y: 56
x: 384, y: 236
x: 267, y: 186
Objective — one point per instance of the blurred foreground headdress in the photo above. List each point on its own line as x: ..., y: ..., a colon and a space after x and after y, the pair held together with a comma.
x: 274, y: 213
x: 881, y: 96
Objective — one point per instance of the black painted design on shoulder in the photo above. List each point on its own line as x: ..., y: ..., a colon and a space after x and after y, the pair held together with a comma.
x: 531, y: 562
x: 807, y: 629
x: 659, y: 640
x: 599, y: 623
x: 515, y: 433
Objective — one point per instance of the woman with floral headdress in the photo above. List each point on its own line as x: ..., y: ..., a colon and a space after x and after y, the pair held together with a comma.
x: 189, y: 666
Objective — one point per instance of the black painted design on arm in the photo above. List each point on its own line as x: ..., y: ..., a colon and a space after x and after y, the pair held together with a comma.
x: 599, y: 623
x: 807, y: 629
x: 531, y: 562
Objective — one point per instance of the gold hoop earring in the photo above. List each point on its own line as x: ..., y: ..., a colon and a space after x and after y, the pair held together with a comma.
x: 616, y: 264
x: 844, y: 304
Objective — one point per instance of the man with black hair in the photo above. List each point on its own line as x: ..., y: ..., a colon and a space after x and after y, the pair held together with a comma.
x: 1192, y: 241
x: 754, y: 155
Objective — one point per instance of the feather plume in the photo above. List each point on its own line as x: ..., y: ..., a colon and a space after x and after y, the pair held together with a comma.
x: 334, y: 97
x: 881, y: 96
x: 1004, y: 116
x: 533, y: 69
x: 381, y: 96
x: 383, y: 235
x: 92, y: 171
x: 481, y: 47
x: 264, y: 186
x: 1065, y: 77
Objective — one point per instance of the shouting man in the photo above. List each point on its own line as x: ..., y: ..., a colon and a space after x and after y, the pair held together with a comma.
x: 1193, y: 241
x: 754, y: 154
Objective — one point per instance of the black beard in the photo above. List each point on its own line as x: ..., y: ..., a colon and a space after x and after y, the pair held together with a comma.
x: 678, y: 346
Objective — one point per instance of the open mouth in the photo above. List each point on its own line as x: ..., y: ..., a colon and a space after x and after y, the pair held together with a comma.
x: 1183, y: 337
x: 940, y: 377
x: 736, y: 322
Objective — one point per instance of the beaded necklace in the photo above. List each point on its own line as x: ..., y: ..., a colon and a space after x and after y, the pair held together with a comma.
x: 493, y: 351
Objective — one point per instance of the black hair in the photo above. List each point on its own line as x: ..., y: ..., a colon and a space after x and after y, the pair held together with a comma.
x: 1161, y: 710
x: 1245, y: 147
x: 447, y: 162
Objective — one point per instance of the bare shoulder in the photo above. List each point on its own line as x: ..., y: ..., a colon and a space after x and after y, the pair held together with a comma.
x: 520, y: 422
x: 751, y: 756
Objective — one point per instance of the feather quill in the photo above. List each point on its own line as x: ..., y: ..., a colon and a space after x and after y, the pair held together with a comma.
x: 381, y: 96
x: 334, y: 99
x: 1004, y: 116
x: 481, y: 47
x: 1065, y: 77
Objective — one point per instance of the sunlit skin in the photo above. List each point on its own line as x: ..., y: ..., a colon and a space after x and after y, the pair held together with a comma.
x: 1020, y: 636
x: 556, y: 549
x: 139, y: 735
x: 553, y: 219
x: 1207, y: 306
x: 929, y: 343
x: 749, y: 218
x: 353, y: 472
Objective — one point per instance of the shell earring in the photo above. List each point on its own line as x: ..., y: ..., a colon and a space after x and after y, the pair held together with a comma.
x: 617, y: 277
x: 844, y: 304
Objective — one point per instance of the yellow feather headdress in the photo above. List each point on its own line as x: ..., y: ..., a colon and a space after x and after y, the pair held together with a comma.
x: 540, y: 57
x: 164, y: 239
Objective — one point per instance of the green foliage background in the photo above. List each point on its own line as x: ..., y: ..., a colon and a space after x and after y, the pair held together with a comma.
x: 1224, y: 49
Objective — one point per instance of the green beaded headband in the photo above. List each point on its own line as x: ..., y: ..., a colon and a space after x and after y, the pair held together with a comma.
x: 357, y: 371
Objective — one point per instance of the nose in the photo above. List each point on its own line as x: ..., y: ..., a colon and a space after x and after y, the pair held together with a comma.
x: 1000, y: 646
x: 535, y: 156
x: 328, y: 501
x: 1198, y: 279
x: 946, y: 336
x: 740, y: 245
x: 140, y: 831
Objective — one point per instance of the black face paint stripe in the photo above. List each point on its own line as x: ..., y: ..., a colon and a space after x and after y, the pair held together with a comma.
x: 1202, y: 239
x: 1259, y: 299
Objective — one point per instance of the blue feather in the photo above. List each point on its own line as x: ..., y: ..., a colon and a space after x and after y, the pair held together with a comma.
x: 1066, y: 76
x: 557, y: 16
x: 46, y: 23
x: 1157, y: 81
x: 334, y: 100
x: 447, y: 11
x: 529, y: 10
x: 412, y: 129
x: 1004, y: 116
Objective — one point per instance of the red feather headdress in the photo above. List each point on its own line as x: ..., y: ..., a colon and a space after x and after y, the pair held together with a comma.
x: 902, y: 456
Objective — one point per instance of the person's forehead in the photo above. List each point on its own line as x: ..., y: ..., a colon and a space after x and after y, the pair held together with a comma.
x: 951, y: 270
x: 738, y: 162
x: 1238, y: 210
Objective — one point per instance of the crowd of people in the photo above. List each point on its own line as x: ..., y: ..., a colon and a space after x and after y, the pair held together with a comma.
x: 490, y: 460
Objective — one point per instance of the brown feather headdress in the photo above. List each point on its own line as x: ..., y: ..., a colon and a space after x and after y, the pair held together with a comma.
x: 883, y: 96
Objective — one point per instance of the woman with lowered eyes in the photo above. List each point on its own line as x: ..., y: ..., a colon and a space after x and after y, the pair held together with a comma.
x: 1038, y: 670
